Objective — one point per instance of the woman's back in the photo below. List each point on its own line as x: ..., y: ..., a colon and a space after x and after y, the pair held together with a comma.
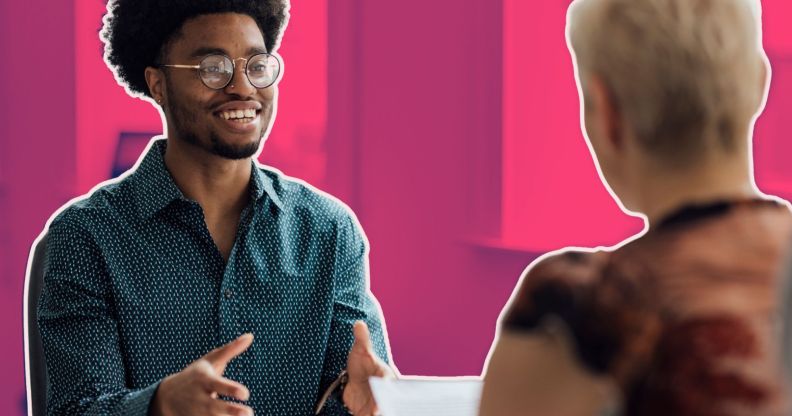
x: 684, y: 319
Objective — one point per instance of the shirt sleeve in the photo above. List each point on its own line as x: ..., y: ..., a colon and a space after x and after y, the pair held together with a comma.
x: 85, y: 370
x: 353, y: 301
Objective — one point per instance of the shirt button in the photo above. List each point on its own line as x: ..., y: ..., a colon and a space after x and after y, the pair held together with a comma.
x: 229, y: 293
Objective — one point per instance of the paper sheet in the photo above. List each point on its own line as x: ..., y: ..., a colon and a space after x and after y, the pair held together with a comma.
x: 425, y: 397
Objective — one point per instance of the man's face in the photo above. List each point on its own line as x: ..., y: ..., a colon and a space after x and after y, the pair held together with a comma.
x: 195, y: 113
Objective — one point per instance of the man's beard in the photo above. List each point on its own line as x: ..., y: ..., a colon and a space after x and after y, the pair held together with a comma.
x: 226, y: 150
x: 216, y: 146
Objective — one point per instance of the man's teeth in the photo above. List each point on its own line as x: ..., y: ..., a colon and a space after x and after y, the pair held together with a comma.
x: 235, y: 114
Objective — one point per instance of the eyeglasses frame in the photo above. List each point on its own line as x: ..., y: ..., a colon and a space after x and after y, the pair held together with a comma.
x: 233, y: 69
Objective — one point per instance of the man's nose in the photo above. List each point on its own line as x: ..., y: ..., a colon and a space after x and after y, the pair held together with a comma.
x: 240, y: 84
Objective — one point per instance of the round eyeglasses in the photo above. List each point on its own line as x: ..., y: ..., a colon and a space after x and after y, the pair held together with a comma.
x: 216, y: 71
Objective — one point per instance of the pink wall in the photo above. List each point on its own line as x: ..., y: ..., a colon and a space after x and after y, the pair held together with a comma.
x: 548, y: 172
x: 37, y: 156
x: 421, y: 112
x: 772, y: 147
x: 441, y: 123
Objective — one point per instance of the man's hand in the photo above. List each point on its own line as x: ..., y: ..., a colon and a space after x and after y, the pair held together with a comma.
x: 195, y: 390
x: 362, y: 363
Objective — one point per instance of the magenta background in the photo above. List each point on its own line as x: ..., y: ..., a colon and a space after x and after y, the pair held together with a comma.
x: 451, y: 128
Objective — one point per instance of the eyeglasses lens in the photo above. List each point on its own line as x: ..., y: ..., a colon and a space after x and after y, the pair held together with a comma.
x: 262, y: 70
x: 218, y: 70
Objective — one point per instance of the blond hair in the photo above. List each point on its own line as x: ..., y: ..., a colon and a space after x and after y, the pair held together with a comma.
x: 685, y: 73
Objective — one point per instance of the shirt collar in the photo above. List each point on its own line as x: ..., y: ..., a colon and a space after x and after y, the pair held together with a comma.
x: 262, y: 184
x: 152, y: 183
x: 154, y: 187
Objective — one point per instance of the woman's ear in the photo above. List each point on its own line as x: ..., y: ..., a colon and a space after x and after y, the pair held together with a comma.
x: 607, y: 110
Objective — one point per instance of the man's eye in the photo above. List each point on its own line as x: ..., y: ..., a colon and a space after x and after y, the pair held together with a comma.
x: 259, y: 68
x: 212, y: 69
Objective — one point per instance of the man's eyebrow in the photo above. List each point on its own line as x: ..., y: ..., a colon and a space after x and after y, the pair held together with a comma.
x: 200, y: 52
x: 256, y: 50
x: 207, y: 51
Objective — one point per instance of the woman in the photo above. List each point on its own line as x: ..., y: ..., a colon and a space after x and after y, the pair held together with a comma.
x: 679, y: 321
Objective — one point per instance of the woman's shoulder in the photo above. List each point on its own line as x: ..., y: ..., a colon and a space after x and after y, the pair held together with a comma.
x: 605, y: 305
x: 554, y: 282
x: 575, y: 266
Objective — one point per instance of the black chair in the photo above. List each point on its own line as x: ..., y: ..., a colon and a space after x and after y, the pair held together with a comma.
x: 35, y: 368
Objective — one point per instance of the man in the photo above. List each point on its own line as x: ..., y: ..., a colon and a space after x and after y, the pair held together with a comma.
x: 682, y: 320
x: 202, y: 283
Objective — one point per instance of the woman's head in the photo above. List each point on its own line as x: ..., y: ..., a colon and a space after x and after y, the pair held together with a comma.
x: 668, y: 83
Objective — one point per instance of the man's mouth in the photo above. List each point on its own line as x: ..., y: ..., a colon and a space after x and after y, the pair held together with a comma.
x: 239, y: 116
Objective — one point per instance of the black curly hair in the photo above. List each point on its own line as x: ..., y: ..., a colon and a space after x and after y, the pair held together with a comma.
x: 136, y: 33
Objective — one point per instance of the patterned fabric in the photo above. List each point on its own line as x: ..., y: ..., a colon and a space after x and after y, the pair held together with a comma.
x: 684, y: 319
x: 135, y: 289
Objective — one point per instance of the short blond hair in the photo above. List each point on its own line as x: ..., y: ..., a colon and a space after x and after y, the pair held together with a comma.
x: 685, y: 73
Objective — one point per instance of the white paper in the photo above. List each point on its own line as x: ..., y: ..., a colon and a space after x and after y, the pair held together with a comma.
x: 429, y: 396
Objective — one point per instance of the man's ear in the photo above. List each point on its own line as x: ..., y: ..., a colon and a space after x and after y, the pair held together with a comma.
x: 602, y: 98
x: 155, y: 79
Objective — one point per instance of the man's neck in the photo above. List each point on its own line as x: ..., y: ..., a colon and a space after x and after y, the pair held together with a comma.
x: 219, y: 185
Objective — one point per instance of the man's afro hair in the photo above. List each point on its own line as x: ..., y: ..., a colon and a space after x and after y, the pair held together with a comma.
x: 136, y: 31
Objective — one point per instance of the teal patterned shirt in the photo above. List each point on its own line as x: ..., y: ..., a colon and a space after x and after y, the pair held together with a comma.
x: 135, y: 290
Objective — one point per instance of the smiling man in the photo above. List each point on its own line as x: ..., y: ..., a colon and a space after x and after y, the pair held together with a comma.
x: 202, y: 283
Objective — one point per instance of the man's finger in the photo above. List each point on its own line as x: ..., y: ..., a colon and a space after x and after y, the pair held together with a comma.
x: 222, y: 355
x: 381, y: 369
x: 228, y: 388
x: 222, y: 407
x: 362, y: 336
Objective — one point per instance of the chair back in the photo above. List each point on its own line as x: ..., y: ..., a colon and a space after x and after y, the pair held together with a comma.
x: 35, y: 368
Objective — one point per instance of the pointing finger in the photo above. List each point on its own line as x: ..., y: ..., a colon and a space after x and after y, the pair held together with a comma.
x: 219, y: 357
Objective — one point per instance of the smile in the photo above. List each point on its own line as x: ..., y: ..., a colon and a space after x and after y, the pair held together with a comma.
x: 241, y: 116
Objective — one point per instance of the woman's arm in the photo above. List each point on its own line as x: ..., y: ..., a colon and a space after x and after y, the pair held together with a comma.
x: 536, y: 373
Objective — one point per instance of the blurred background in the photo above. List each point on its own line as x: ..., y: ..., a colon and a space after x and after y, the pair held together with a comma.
x: 450, y: 127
